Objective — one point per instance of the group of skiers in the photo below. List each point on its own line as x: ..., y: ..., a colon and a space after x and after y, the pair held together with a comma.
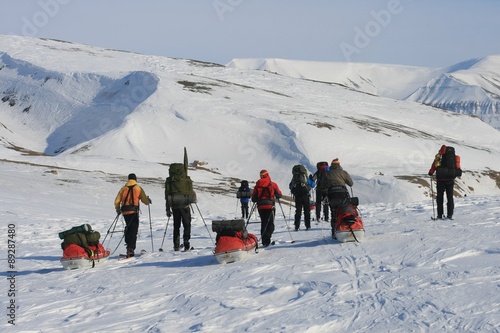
x: 331, y: 191
x: 330, y: 181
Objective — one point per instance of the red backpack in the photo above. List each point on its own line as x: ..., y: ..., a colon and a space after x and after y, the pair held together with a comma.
x: 264, y: 194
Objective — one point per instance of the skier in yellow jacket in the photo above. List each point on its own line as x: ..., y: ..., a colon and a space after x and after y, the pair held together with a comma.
x: 127, y: 203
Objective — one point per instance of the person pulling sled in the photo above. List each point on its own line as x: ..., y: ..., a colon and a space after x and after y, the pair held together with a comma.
x: 127, y: 203
x: 335, y: 181
x: 264, y: 195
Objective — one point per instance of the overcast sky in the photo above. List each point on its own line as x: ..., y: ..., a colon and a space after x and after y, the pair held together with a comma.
x: 430, y: 33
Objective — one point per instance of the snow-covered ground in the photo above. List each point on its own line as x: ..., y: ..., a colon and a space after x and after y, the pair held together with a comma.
x: 102, y: 114
x: 409, y: 275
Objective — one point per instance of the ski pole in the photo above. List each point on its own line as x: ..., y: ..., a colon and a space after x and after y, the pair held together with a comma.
x: 151, y: 228
x: 286, y: 222
x: 432, y: 199
x: 115, y: 222
x: 113, y: 225
x: 236, y: 209
x: 204, y: 223
x: 250, y: 215
x: 161, y: 247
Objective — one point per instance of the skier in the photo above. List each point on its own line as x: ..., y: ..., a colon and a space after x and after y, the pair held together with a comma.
x: 447, y: 166
x: 127, y: 203
x: 300, y: 188
x: 335, y: 181
x: 264, y: 194
x: 321, y: 190
x: 244, y: 193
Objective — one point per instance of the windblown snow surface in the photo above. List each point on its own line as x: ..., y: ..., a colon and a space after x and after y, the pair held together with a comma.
x: 410, y: 274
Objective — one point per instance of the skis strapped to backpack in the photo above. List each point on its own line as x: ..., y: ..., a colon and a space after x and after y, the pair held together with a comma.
x: 179, y: 186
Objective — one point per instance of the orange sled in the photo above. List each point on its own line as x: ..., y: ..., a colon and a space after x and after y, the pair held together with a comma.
x: 233, y: 242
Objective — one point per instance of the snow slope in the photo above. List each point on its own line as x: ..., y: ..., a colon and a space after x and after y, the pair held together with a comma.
x: 136, y: 107
x: 393, y: 81
x: 97, y: 115
x: 409, y: 275
x: 470, y: 87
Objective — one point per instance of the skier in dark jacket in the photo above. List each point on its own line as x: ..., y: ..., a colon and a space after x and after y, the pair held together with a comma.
x: 321, y: 191
x: 336, y: 180
x: 443, y: 184
x: 302, y: 201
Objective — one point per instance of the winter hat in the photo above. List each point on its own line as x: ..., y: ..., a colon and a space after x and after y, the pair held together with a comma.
x: 132, y: 176
x: 335, y: 161
x: 264, y: 174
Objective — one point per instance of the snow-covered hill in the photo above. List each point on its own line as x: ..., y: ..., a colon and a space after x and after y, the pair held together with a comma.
x: 80, y: 102
x: 76, y: 119
x: 470, y: 87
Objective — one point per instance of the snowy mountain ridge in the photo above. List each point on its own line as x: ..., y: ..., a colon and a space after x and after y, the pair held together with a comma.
x: 470, y: 87
x: 77, y: 103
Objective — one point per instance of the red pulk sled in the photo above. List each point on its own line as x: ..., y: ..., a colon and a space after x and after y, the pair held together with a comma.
x: 81, y: 247
x: 75, y: 256
x: 233, y: 242
x: 349, y: 225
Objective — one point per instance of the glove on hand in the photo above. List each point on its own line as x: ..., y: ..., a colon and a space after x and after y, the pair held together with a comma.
x: 169, y: 213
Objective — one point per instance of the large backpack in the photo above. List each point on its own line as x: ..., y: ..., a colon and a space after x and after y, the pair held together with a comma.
x: 299, y: 185
x: 449, y: 167
x: 244, y: 190
x: 264, y: 195
x: 82, y: 239
x: 229, y: 228
x: 179, y: 186
x: 322, y: 168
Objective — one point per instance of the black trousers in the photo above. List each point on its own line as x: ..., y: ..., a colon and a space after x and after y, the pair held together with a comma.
x: 244, y: 210
x: 302, y: 203
x: 442, y: 187
x: 131, y: 229
x: 266, y: 225
x: 320, y: 196
x: 182, y: 216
